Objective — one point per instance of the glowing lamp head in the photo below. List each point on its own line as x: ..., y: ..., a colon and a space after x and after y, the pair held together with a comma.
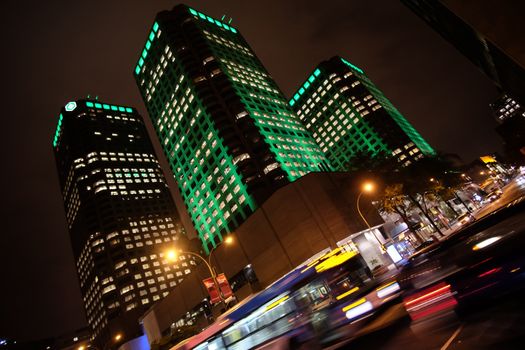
x: 171, y: 255
x: 118, y: 337
x: 368, y: 187
x: 228, y: 239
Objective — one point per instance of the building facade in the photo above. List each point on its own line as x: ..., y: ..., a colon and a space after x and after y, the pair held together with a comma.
x: 229, y: 135
x: 120, y: 216
x: 349, y: 116
x: 511, y: 118
x: 505, y: 107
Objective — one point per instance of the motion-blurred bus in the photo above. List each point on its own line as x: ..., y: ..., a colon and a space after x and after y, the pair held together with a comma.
x: 321, y: 301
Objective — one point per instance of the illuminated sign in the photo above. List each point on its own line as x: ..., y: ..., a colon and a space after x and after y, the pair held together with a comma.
x: 71, y: 106
x: 211, y: 287
x: 487, y: 159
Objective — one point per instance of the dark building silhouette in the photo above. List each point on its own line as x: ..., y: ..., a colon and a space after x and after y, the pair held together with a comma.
x: 349, y: 116
x: 511, y: 117
x: 120, y: 216
x: 487, y: 32
x: 229, y: 135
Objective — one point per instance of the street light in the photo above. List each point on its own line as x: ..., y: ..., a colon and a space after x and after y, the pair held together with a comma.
x: 118, y: 336
x: 368, y: 187
x: 173, y: 255
x: 228, y: 240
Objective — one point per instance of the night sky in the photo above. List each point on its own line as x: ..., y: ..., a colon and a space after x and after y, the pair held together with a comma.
x: 57, y: 51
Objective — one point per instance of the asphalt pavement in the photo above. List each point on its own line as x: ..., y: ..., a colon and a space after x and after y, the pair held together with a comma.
x: 492, y: 324
x: 514, y: 190
x: 499, y: 325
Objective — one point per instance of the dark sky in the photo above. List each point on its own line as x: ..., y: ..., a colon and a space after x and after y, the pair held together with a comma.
x: 56, y: 51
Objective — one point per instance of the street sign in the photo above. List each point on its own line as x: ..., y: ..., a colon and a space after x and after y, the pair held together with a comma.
x: 224, y: 286
x: 210, y: 285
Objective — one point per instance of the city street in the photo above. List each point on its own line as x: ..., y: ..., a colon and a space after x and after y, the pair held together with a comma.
x: 497, y: 326
x: 512, y: 191
x: 492, y: 324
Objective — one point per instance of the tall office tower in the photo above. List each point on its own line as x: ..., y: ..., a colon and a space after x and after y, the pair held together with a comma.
x: 511, y: 118
x: 120, y: 216
x: 348, y: 116
x: 486, y: 32
x: 505, y: 108
x: 226, y: 129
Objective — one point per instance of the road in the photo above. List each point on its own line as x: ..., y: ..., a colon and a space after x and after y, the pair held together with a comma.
x: 496, y: 324
x: 512, y: 191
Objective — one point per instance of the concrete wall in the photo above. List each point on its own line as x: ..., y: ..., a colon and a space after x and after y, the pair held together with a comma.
x: 296, y: 222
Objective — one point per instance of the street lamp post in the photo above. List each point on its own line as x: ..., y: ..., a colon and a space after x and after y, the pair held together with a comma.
x: 367, y: 187
x: 227, y: 240
x: 173, y: 255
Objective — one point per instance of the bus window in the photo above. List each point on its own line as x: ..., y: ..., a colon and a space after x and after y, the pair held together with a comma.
x: 267, y: 322
x: 212, y: 344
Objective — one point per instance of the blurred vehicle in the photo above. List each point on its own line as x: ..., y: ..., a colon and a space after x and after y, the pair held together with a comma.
x: 423, y: 247
x: 489, y: 185
x: 494, y: 195
x: 465, y: 219
x: 478, y: 263
x: 311, y: 303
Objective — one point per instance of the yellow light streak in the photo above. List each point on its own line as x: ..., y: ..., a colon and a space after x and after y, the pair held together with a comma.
x: 277, y: 302
x: 357, y: 303
x: 341, y: 296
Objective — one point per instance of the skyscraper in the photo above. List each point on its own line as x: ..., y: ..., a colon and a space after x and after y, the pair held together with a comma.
x: 511, y: 118
x: 348, y: 115
x: 120, y: 215
x: 226, y: 129
x: 505, y: 108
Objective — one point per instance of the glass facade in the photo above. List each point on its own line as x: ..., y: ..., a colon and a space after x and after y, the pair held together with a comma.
x: 230, y: 136
x: 348, y: 115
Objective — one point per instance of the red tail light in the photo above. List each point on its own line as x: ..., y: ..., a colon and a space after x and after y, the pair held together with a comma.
x: 429, y: 301
x: 490, y: 272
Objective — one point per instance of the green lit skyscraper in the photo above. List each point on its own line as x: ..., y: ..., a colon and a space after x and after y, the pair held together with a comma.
x: 348, y: 115
x: 229, y: 135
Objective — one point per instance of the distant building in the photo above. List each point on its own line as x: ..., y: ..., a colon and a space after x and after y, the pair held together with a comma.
x: 75, y: 340
x: 487, y: 32
x: 348, y: 116
x: 229, y: 135
x: 511, y: 117
x: 120, y: 216
x: 505, y: 108
x: 78, y: 339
